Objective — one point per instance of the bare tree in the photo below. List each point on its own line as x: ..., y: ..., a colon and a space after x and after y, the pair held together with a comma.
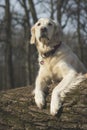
x: 61, y: 7
x: 26, y: 26
x: 78, y: 15
x: 78, y: 2
x: 8, y: 48
x: 28, y: 8
x: 32, y: 9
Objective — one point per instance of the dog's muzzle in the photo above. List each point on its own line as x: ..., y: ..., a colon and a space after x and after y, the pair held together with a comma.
x: 43, y: 29
x: 44, y: 33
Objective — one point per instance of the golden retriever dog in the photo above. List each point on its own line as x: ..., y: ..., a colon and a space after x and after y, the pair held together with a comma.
x: 57, y: 62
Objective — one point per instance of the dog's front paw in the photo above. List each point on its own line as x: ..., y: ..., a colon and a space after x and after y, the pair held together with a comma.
x: 55, y: 105
x: 39, y: 99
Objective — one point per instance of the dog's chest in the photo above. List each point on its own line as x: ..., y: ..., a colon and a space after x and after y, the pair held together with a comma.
x: 50, y: 68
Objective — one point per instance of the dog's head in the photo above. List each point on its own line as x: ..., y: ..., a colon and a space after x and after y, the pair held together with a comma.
x: 45, y: 31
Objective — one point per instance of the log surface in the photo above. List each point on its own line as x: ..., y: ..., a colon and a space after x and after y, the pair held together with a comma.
x: 18, y: 111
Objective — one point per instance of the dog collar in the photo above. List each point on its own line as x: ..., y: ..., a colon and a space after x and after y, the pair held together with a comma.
x: 49, y: 53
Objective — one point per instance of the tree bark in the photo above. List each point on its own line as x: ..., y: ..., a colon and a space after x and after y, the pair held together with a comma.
x: 18, y: 111
x: 52, y: 9
x: 8, y: 50
x: 79, y: 29
x: 27, y: 35
x: 27, y: 27
x: 33, y: 11
x: 59, y: 13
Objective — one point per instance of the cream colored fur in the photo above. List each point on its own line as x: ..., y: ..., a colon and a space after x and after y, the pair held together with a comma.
x: 63, y: 65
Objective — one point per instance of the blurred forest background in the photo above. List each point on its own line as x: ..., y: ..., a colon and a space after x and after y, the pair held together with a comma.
x: 18, y: 59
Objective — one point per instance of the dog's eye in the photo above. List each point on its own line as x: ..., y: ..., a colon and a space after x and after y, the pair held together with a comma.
x: 38, y: 24
x: 50, y: 24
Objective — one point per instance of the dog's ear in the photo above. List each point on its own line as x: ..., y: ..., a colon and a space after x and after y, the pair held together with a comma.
x: 33, y: 38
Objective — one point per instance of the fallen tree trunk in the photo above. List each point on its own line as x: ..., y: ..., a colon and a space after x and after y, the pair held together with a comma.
x: 18, y: 111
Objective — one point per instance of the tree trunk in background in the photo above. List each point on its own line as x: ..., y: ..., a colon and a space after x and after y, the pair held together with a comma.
x: 8, y: 48
x: 59, y: 15
x: 27, y: 28
x: 18, y: 111
x: 33, y: 11
x: 78, y: 30
x: 27, y: 58
x: 34, y: 17
x: 52, y: 9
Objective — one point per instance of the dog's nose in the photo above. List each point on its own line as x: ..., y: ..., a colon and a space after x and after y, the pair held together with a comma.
x: 43, y: 29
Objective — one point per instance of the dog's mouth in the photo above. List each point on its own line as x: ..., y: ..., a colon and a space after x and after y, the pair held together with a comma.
x: 44, y: 37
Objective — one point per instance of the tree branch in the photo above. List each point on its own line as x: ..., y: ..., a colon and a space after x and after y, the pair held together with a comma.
x: 2, y: 6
